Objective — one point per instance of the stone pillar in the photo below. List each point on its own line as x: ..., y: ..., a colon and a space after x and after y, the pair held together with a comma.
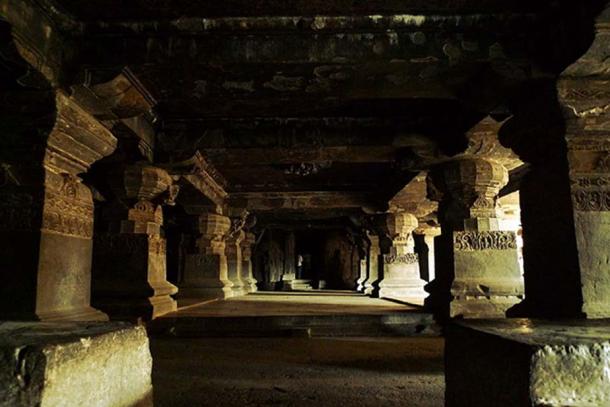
x: 46, y: 212
x: 372, y: 282
x: 206, y: 270
x: 234, y: 261
x: 247, y: 275
x: 424, y: 247
x: 550, y: 257
x: 588, y: 143
x: 289, y: 273
x: 478, y: 273
x: 362, y: 274
x: 400, y: 265
x: 129, y: 261
x: 361, y: 243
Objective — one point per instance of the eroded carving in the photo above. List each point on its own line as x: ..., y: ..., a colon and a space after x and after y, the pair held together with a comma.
x: 67, y: 216
x: 493, y: 240
x: 591, y: 201
x: 407, y: 258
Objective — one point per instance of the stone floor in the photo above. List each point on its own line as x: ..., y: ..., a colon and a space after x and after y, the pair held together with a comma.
x: 298, y: 372
x: 314, y: 302
x: 236, y: 370
x: 310, y: 313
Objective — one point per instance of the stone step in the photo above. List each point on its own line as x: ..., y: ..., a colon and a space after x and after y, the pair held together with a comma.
x: 341, y: 325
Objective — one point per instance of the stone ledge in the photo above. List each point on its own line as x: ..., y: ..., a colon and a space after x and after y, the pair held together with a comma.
x: 74, y: 364
x: 523, y: 362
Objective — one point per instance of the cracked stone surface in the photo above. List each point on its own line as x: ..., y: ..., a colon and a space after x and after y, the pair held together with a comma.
x: 528, y: 362
x: 74, y: 364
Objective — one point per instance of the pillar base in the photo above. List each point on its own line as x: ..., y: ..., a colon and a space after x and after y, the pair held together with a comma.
x: 484, y: 298
x: 402, y: 281
x: 482, y: 307
x: 137, y: 303
x: 250, y: 286
x: 402, y: 290
x: 215, y: 289
x: 524, y: 362
x: 238, y: 289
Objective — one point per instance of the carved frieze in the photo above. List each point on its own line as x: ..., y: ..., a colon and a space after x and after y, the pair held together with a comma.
x: 492, y: 240
x: 591, y: 201
x: 146, y: 211
x: 591, y: 182
x: 126, y: 244
x: 407, y: 258
x: 65, y: 215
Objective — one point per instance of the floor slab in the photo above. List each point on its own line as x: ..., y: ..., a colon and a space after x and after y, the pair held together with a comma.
x: 294, y: 303
x: 298, y: 372
x: 317, y: 313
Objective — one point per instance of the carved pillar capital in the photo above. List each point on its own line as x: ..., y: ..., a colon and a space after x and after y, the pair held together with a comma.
x: 214, y: 228
x: 468, y: 190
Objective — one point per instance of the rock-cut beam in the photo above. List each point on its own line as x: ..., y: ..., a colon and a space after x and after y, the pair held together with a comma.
x: 310, y: 200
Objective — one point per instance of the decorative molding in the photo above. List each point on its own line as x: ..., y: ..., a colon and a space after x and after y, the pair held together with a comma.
x: 127, y: 244
x: 146, y: 211
x: 407, y: 258
x: 492, y: 240
x: 67, y: 216
x: 588, y: 182
x: 483, y: 202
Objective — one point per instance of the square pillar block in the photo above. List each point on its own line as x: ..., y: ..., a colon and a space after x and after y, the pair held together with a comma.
x: 487, y: 277
x: 522, y: 362
x: 74, y: 364
x: 206, y: 270
x: 205, y: 277
x: 130, y: 276
x: 401, y: 278
x: 45, y: 251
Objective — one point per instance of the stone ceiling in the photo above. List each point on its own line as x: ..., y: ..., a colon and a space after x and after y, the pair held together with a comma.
x: 333, y: 104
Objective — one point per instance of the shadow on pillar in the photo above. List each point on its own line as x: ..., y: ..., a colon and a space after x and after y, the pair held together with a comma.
x: 440, y: 297
x: 551, y: 270
x: 46, y: 212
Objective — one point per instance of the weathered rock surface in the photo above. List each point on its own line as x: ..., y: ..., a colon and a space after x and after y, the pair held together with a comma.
x: 74, y: 364
x: 523, y: 362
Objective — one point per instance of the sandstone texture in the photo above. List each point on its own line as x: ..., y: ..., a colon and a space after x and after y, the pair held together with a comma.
x: 74, y: 364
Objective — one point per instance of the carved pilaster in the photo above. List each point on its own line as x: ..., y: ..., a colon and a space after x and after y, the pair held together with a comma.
x: 134, y: 218
x: 586, y: 107
x: 46, y: 210
x: 478, y: 269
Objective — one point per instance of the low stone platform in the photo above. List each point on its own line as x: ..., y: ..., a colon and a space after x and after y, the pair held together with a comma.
x: 74, y: 364
x: 313, y: 313
x: 523, y: 362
